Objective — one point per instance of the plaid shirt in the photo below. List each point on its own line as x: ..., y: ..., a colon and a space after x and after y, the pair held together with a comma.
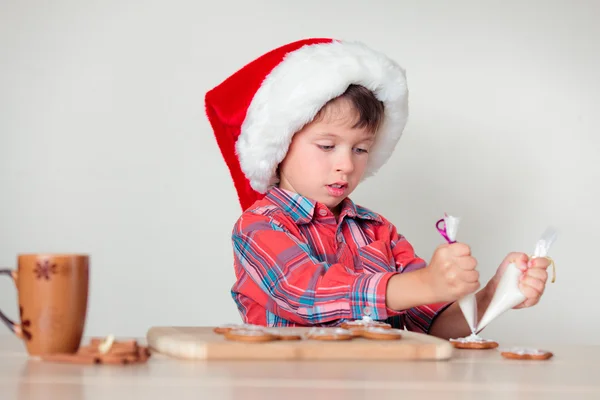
x: 297, y: 266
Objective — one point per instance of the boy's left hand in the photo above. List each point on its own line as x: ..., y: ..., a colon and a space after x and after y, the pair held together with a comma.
x: 533, y: 280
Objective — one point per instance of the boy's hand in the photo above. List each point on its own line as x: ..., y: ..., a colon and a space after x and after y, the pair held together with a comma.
x: 451, y: 274
x: 533, y: 281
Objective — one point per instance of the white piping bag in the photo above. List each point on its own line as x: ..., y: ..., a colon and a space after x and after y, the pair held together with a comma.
x: 508, y: 294
x: 468, y: 304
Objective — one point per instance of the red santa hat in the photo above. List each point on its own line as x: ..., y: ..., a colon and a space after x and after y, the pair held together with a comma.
x: 256, y: 111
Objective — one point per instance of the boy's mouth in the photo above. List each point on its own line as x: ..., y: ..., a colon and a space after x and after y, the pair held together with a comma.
x: 339, y: 185
x: 337, y: 189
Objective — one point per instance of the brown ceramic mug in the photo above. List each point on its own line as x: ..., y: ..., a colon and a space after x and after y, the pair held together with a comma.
x: 52, y: 290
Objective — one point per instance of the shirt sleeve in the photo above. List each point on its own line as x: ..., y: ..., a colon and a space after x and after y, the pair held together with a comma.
x: 286, y: 279
x: 419, y: 318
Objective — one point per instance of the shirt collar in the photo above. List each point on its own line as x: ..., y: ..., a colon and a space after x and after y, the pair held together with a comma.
x: 302, y: 209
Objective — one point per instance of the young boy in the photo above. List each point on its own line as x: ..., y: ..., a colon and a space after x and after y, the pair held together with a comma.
x: 300, y: 127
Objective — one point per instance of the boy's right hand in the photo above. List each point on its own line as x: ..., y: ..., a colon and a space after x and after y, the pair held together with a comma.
x: 451, y: 274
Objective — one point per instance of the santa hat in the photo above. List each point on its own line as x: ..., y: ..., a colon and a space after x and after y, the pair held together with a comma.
x: 255, y: 112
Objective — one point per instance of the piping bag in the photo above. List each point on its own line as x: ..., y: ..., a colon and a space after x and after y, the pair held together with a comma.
x: 508, y: 294
x: 467, y: 304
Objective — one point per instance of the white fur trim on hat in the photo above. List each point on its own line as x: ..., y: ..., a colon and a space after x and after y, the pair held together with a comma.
x: 299, y: 86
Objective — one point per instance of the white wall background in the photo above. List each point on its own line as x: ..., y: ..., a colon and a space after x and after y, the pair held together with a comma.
x: 104, y: 146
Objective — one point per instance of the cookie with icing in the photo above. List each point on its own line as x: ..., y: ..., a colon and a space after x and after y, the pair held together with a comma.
x: 284, y: 334
x: 329, y: 334
x: 357, y: 326
x: 249, y: 335
x: 474, y: 342
x: 525, y: 353
x: 221, y: 329
x: 377, y: 333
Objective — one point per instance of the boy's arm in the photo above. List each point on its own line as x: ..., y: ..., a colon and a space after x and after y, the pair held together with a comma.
x: 411, y: 287
x: 406, y: 291
x: 419, y: 316
x: 286, y: 279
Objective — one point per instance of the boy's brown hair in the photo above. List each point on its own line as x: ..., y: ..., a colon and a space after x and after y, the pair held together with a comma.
x: 370, y: 111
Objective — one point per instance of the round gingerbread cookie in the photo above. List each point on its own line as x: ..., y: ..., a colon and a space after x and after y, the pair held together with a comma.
x: 221, y: 329
x: 377, y: 333
x: 249, y: 335
x: 224, y: 328
x: 361, y: 324
x: 329, y: 334
x: 284, y: 334
x: 524, y: 353
x: 473, y: 342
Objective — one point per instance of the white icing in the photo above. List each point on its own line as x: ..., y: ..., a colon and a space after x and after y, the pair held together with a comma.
x: 328, y: 332
x: 252, y: 327
x: 279, y: 332
x: 249, y: 332
x: 468, y: 306
x: 359, y: 322
x: 374, y: 329
x: 472, y: 338
x: 366, y: 322
x: 451, y: 223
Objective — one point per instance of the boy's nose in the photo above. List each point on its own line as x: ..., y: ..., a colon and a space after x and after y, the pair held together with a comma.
x: 345, y: 164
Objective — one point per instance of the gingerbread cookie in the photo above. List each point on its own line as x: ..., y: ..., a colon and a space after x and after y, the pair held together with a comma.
x: 329, y: 334
x: 249, y: 335
x: 523, y: 353
x: 378, y: 333
x: 221, y: 329
x: 284, y: 334
x: 364, y: 323
x: 474, y: 342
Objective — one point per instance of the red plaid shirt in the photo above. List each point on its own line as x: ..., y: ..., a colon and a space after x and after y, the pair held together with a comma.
x: 297, y: 266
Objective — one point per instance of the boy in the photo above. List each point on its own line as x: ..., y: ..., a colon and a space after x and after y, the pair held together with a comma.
x: 300, y: 127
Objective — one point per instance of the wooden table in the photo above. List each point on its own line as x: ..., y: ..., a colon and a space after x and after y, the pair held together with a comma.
x: 572, y: 373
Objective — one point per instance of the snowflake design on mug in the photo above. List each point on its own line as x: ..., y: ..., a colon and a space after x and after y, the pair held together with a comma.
x: 44, y: 270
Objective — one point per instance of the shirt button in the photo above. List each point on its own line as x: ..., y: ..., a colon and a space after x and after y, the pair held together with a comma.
x: 323, y: 212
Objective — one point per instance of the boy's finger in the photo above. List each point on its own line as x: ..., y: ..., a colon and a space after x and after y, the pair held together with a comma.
x: 528, y: 303
x: 470, y: 276
x: 532, y: 286
x: 540, y: 263
x: 460, y: 249
x: 537, y: 273
x: 530, y: 294
x: 520, y: 260
x: 516, y: 257
x: 468, y: 263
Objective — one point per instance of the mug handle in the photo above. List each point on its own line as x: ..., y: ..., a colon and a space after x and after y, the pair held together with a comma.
x: 14, y: 327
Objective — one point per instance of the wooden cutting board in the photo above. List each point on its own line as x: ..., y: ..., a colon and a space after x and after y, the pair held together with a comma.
x: 201, y: 343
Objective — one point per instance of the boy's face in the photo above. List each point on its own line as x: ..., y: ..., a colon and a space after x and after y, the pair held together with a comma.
x: 327, y: 158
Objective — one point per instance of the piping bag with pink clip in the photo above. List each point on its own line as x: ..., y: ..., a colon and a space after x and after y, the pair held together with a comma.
x: 468, y: 304
x: 508, y: 294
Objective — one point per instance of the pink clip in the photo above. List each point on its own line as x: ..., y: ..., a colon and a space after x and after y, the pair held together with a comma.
x: 443, y: 231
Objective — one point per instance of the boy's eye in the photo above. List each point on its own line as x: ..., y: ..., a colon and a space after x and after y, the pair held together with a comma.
x: 361, y: 151
x: 324, y: 147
